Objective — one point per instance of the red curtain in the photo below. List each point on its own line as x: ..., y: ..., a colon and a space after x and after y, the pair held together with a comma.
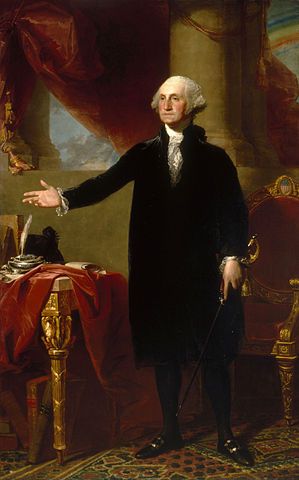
x: 103, y: 60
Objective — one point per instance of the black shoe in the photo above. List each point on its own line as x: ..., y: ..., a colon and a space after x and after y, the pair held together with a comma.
x: 160, y: 445
x: 231, y: 449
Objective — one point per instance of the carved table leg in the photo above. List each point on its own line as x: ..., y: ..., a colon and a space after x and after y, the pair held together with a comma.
x: 56, y: 324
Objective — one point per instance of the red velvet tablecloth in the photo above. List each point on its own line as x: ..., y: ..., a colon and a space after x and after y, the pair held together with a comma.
x: 103, y: 307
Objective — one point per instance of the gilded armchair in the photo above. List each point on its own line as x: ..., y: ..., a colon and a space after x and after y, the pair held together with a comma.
x: 271, y: 289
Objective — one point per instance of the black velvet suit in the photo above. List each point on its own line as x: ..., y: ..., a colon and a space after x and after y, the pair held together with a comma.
x: 177, y: 237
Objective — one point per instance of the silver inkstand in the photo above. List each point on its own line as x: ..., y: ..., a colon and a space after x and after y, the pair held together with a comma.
x: 22, y: 263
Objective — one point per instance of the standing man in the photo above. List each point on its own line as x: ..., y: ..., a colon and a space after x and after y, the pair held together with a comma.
x: 187, y: 218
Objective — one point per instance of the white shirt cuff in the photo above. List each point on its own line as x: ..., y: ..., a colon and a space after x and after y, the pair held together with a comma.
x: 64, y: 207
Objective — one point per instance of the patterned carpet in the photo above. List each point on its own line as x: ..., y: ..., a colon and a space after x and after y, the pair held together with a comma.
x: 274, y: 446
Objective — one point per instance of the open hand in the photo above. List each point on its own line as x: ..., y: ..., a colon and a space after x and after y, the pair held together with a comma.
x: 47, y: 198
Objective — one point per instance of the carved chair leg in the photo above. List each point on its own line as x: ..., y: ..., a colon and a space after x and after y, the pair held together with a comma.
x: 285, y: 351
x: 286, y: 371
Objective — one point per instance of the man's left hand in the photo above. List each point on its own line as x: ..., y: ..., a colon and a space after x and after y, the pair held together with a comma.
x: 232, y: 275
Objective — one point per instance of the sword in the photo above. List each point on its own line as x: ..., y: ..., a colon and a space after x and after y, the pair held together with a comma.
x: 221, y: 303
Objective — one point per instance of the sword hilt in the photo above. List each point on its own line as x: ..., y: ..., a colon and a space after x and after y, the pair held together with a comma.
x: 221, y: 298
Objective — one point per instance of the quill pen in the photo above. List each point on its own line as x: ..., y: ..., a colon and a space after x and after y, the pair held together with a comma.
x: 24, y: 234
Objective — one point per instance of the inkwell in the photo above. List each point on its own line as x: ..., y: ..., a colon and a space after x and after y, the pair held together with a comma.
x: 22, y: 263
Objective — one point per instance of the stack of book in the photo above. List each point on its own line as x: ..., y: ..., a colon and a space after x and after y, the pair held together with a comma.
x: 13, y: 423
x: 40, y: 415
x: 35, y: 433
x: 39, y: 409
x: 8, y: 439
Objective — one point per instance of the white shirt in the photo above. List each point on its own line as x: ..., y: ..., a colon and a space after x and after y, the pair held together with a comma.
x: 175, y: 159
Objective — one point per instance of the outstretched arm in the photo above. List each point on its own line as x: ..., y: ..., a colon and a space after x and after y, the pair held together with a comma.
x: 92, y: 190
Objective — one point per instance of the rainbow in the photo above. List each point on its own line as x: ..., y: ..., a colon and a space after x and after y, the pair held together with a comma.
x: 283, y: 23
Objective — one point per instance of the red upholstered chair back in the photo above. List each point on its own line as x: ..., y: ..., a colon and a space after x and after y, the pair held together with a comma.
x: 274, y: 217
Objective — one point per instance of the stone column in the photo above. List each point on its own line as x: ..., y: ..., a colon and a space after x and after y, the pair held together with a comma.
x: 34, y: 131
x: 254, y: 112
x: 221, y: 66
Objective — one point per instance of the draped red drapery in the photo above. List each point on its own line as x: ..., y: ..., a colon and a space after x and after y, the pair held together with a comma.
x: 102, y: 60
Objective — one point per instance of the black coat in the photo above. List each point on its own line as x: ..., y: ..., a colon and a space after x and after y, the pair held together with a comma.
x: 177, y: 237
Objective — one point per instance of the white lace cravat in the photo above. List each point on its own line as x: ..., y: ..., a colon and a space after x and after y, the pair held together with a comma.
x: 175, y: 159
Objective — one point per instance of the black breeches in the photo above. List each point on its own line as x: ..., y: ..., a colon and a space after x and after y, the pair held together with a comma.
x: 168, y: 381
x: 217, y: 384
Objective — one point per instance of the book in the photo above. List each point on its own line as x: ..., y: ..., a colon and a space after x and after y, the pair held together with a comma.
x: 41, y: 422
x: 42, y: 431
x: 4, y: 425
x: 34, y: 392
x: 16, y: 416
x: 8, y: 441
x: 5, y: 236
x: 10, y: 230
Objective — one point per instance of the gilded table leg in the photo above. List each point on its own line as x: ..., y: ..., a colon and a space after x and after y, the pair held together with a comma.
x: 56, y: 324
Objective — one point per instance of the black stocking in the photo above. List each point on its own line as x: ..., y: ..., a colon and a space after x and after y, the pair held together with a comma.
x: 217, y: 384
x: 168, y: 380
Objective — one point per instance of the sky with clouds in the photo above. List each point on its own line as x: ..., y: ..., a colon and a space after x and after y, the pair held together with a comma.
x: 79, y: 148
